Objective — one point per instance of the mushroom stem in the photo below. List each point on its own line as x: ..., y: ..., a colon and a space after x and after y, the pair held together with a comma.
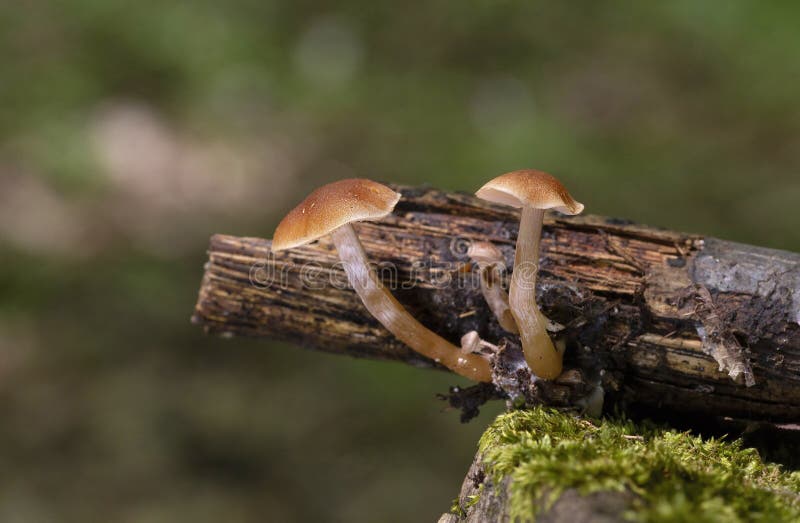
x: 488, y: 258
x: 392, y: 315
x: 540, y: 353
x: 497, y: 299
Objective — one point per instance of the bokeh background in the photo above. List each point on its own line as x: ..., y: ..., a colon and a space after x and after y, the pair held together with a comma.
x: 131, y: 131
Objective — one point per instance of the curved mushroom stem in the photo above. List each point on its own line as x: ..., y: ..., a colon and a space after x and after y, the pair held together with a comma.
x: 488, y: 257
x: 392, y: 315
x: 540, y: 353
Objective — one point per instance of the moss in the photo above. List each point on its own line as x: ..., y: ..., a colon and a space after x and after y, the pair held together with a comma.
x: 674, y: 475
x: 461, y: 510
x: 457, y: 509
x: 473, y: 500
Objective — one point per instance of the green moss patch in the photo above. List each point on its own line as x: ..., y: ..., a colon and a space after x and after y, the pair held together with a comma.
x: 674, y: 475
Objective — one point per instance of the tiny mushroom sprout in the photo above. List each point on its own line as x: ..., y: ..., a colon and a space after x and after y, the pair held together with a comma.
x: 331, y: 209
x: 489, y: 259
x: 472, y: 342
x: 533, y: 191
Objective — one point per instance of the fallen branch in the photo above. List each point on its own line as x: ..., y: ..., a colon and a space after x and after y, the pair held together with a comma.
x: 663, y: 320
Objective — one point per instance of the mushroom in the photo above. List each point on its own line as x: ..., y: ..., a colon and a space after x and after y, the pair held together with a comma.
x: 331, y: 209
x: 533, y: 191
x: 472, y: 342
x: 488, y: 258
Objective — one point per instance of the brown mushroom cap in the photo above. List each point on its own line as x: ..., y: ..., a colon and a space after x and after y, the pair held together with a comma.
x: 530, y: 187
x: 331, y: 206
x: 484, y: 253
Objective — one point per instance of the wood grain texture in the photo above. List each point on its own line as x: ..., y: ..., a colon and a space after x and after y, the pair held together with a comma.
x: 665, y: 320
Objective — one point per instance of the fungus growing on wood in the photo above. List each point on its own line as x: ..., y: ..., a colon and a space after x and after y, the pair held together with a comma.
x: 332, y: 209
x: 472, y: 342
x: 488, y: 258
x: 533, y: 191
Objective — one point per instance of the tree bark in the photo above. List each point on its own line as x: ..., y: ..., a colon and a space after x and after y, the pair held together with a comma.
x: 663, y: 320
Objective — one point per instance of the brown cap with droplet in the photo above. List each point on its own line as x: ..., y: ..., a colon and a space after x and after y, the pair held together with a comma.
x: 331, y: 206
x: 530, y: 187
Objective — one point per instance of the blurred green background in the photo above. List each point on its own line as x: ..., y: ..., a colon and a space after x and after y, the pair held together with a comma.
x: 131, y: 131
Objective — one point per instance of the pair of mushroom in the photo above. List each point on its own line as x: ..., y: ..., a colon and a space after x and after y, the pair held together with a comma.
x: 332, y: 209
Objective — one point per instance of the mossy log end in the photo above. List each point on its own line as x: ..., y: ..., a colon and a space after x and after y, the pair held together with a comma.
x: 665, y: 320
x: 483, y: 499
x: 549, y: 466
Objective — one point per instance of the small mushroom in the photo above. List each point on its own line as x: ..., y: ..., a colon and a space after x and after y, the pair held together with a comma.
x: 330, y: 210
x: 472, y: 342
x: 533, y: 191
x: 488, y: 258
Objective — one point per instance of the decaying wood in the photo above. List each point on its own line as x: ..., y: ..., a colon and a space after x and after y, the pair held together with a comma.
x: 664, y: 320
